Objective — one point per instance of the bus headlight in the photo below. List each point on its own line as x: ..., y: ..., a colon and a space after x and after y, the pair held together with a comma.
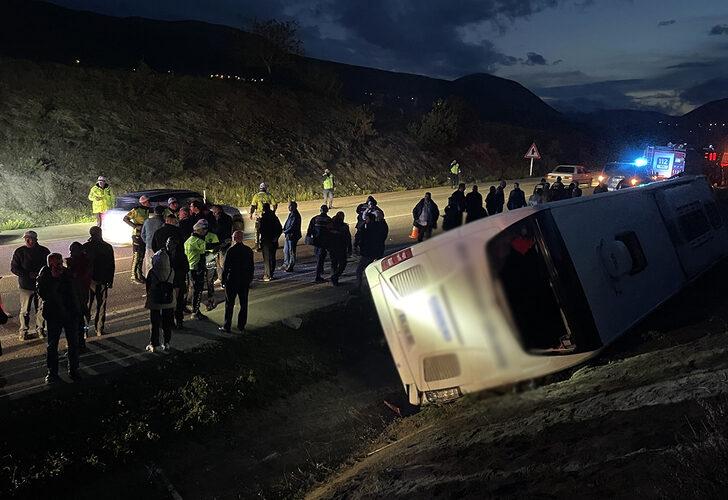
x: 443, y: 395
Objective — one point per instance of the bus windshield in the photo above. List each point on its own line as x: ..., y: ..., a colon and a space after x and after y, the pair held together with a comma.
x: 541, y: 288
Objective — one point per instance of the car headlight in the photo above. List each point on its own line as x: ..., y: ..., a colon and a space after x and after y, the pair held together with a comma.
x: 600, y: 178
x: 633, y: 182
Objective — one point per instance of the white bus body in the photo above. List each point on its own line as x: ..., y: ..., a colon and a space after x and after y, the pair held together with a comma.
x: 532, y: 291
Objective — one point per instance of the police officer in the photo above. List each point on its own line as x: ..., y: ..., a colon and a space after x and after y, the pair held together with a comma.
x: 195, y: 250
x: 101, y: 198
x: 136, y: 218
x: 454, y: 173
x: 259, y: 198
x: 328, y: 181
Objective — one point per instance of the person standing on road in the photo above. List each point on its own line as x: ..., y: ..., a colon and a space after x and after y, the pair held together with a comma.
x: 536, y: 198
x: 212, y: 247
x: 458, y: 199
x: 103, y: 268
x: 185, y: 222
x: 256, y: 204
x: 135, y: 218
x: 339, y: 245
x: 373, y: 238
x: 454, y: 174
x: 576, y: 192
x: 601, y: 188
x: 178, y: 261
x: 101, y: 198
x: 452, y: 217
x: 474, y: 205
x: 328, y: 182
x: 292, y: 233
x: 369, y: 206
x: 26, y: 263
x: 315, y: 235
x: 425, y: 216
x: 168, y: 230
x: 557, y: 191
x: 237, y: 274
x: 61, y: 312
x: 79, y: 268
x: 172, y: 207
x: 500, y: 197
x: 224, y: 232
x: 516, y: 198
x: 150, y: 226
x: 270, y: 232
x: 490, y: 201
x: 195, y: 250
x: 160, y: 301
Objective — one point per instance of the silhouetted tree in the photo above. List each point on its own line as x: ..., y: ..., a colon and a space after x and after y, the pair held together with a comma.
x: 278, y: 42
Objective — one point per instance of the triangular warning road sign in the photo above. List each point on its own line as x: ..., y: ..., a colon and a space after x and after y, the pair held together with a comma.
x: 533, y: 152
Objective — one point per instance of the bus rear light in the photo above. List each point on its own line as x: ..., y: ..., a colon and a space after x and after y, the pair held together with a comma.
x: 396, y: 258
x: 443, y: 395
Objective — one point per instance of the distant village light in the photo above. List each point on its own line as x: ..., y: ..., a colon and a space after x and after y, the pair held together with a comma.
x: 77, y: 61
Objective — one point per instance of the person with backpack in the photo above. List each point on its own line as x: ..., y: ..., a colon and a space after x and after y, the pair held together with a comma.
x: 160, y: 301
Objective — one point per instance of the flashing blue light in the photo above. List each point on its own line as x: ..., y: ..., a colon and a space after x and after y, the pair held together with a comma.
x: 640, y: 162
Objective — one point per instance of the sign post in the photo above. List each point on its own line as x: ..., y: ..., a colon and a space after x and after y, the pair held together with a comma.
x: 532, y: 154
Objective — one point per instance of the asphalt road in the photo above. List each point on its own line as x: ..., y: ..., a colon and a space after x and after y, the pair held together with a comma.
x: 289, y: 295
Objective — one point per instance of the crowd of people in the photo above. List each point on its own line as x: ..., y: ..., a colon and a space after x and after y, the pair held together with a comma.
x: 180, y: 252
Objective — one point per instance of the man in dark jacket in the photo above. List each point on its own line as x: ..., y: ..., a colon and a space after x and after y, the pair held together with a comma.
x: 167, y: 231
x: 373, y: 236
x: 516, y: 198
x: 181, y: 267
x: 61, y: 312
x: 237, y: 274
x: 270, y: 231
x: 458, y: 199
x: 27, y: 262
x: 185, y: 222
x: 425, y: 216
x: 474, y: 205
x: 103, y: 267
x: 500, y: 197
x: 315, y: 236
x: 490, y: 201
x: 291, y: 233
x: 452, y: 217
x: 339, y: 244
x: 79, y: 268
x: 224, y: 230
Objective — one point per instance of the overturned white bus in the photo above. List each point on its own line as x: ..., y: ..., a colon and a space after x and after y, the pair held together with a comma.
x: 533, y: 291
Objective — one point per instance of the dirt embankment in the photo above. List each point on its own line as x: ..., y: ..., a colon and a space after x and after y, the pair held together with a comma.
x: 645, y: 419
x: 266, y: 415
x: 61, y: 126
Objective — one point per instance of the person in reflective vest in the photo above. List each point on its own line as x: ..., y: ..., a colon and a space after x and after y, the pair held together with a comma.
x: 454, y: 174
x: 328, y: 183
x: 256, y: 209
x: 101, y: 198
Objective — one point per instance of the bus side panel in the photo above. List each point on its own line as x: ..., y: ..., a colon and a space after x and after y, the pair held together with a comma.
x: 618, y: 303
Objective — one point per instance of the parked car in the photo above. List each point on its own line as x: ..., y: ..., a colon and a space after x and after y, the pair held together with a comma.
x: 577, y: 174
x: 118, y: 233
x: 621, y: 175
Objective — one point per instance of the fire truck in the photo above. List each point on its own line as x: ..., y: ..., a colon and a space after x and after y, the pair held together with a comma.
x: 663, y: 162
x: 714, y: 163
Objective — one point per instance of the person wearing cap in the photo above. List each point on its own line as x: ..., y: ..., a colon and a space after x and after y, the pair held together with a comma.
x: 61, y: 311
x: 195, y: 250
x: 26, y: 263
x: 102, y: 198
x: 149, y: 228
x: 262, y: 196
x: 135, y: 218
x: 172, y: 207
x: 328, y: 181
x: 103, y: 268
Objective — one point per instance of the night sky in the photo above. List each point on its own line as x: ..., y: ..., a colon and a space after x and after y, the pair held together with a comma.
x: 663, y: 55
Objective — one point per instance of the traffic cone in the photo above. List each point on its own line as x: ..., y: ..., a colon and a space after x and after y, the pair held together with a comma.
x: 415, y: 233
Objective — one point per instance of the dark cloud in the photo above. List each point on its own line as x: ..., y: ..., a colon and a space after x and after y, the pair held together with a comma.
x: 711, y: 90
x: 666, y: 23
x: 690, y: 65
x: 719, y: 29
x: 557, y: 61
x: 534, y: 59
